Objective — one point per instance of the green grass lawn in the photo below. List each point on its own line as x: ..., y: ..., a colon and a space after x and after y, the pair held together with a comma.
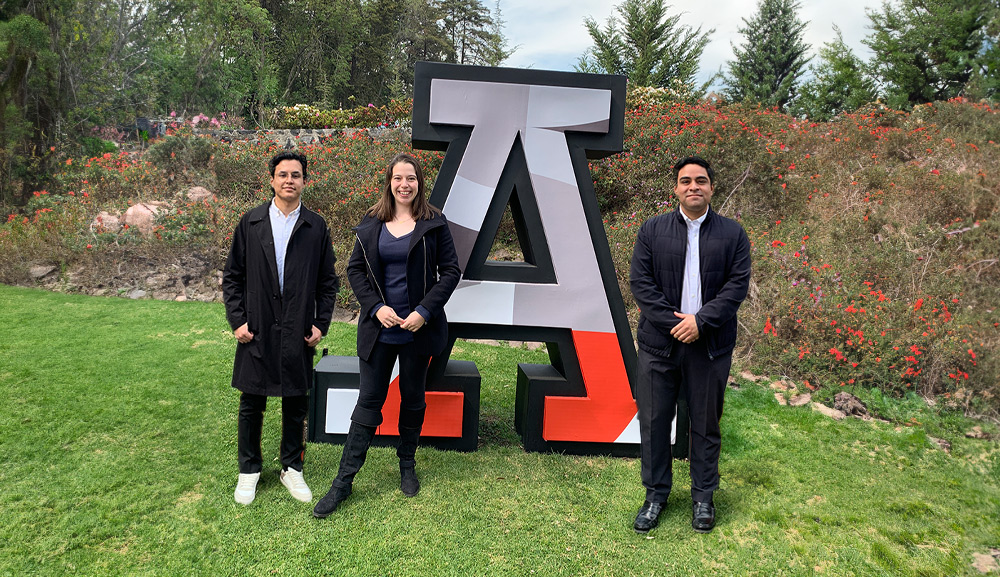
x: 118, y: 457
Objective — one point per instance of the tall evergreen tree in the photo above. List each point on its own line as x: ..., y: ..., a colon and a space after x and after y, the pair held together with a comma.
x: 985, y: 82
x: 421, y: 37
x: 839, y: 83
x: 772, y: 57
x: 497, y: 48
x: 373, y: 70
x: 645, y: 44
x: 927, y: 50
x: 466, y: 22
x: 204, y: 54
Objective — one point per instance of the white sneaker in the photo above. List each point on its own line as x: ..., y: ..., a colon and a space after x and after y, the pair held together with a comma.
x: 246, y: 488
x: 296, y: 485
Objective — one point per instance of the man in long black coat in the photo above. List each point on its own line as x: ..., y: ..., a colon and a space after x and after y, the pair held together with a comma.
x: 279, y: 287
x: 690, y: 273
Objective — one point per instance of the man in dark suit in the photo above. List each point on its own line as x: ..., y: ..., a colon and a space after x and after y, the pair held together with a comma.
x: 279, y: 287
x: 690, y: 273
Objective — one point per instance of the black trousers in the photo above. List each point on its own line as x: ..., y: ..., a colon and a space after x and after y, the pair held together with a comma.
x: 690, y: 372
x: 376, y: 374
x: 250, y: 425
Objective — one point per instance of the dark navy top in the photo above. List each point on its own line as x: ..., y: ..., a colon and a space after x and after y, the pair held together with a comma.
x: 392, y: 252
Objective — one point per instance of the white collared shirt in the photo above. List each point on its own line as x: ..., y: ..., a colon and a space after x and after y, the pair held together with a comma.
x: 691, y: 293
x: 281, y: 231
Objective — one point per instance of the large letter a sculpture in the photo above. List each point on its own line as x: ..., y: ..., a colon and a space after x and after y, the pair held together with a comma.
x: 522, y: 138
x: 518, y: 138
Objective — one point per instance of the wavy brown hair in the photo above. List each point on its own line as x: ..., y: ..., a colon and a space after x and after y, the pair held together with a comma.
x: 385, y: 208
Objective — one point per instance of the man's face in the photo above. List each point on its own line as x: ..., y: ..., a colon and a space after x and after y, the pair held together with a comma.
x: 288, y: 182
x: 694, y: 190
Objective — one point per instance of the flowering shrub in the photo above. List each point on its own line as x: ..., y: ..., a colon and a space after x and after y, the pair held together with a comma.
x: 393, y: 115
x: 645, y: 96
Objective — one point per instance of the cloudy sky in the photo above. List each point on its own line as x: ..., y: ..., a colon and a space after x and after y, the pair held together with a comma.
x: 551, y: 34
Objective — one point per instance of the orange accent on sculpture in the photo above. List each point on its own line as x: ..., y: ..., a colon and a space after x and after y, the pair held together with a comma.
x: 608, y: 408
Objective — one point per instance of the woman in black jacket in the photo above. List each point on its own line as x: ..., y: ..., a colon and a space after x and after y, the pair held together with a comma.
x: 403, y: 270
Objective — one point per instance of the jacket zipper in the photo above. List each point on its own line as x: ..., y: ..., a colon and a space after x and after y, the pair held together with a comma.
x: 371, y: 272
x: 424, y: 239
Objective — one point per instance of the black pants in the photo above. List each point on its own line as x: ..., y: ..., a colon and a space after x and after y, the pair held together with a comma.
x: 688, y: 371
x: 251, y: 424
x: 376, y: 374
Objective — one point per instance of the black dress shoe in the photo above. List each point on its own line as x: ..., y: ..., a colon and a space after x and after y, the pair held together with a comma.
x: 703, y: 519
x: 648, y: 517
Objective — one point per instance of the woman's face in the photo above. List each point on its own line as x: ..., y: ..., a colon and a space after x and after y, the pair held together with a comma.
x: 404, y: 185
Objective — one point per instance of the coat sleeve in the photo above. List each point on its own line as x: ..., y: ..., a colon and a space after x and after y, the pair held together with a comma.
x: 327, y: 284
x: 357, y: 275
x: 723, y: 307
x: 653, y: 304
x: 234, y: 279
x: 448, y: 271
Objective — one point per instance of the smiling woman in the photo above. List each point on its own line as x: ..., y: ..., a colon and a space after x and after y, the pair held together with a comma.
x: 402, y: 290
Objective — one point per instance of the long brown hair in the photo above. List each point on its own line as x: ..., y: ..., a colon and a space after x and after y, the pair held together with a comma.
x: 385, y: 208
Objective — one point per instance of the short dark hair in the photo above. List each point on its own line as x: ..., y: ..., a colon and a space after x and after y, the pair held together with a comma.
x: 289, y: 155
x: 695, y: 160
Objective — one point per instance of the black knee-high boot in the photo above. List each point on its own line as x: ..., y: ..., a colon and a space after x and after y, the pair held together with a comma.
x: 359, y: 438
x: 409, y: 438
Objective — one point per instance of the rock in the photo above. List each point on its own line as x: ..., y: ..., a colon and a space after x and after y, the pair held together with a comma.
x: 800, y: 400
x: 345, y: 316
x: 141, y: 216
x: 105, y: 222
x: 781, y: 399
x: 984, y: 563
x: 832, y: 413
x: 181, y: 298
x: 849, y: 404
x: 750, y: 376
x: 944, y: 445
x: 977, y: 432
x: 491, y: 342
x: 204, y: 297
x: 137, y: 294
x: 199, y: 194
x: 41, y: 271
x: 783, y: 386
x: 160, y: 281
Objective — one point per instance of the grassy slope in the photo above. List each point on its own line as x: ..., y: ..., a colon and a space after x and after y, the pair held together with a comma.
x: 117, y: 456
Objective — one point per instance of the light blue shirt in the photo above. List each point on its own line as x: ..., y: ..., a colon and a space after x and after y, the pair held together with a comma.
x: 281, y: 230
x: 691, y: 293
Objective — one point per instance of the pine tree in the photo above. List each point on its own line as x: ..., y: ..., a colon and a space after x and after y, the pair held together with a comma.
x: 927, y: 50
x: 985, y: 82
x: 768, y: 64
x: 497, y: 48
x: 645, y: 44
x: 839, y: 83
